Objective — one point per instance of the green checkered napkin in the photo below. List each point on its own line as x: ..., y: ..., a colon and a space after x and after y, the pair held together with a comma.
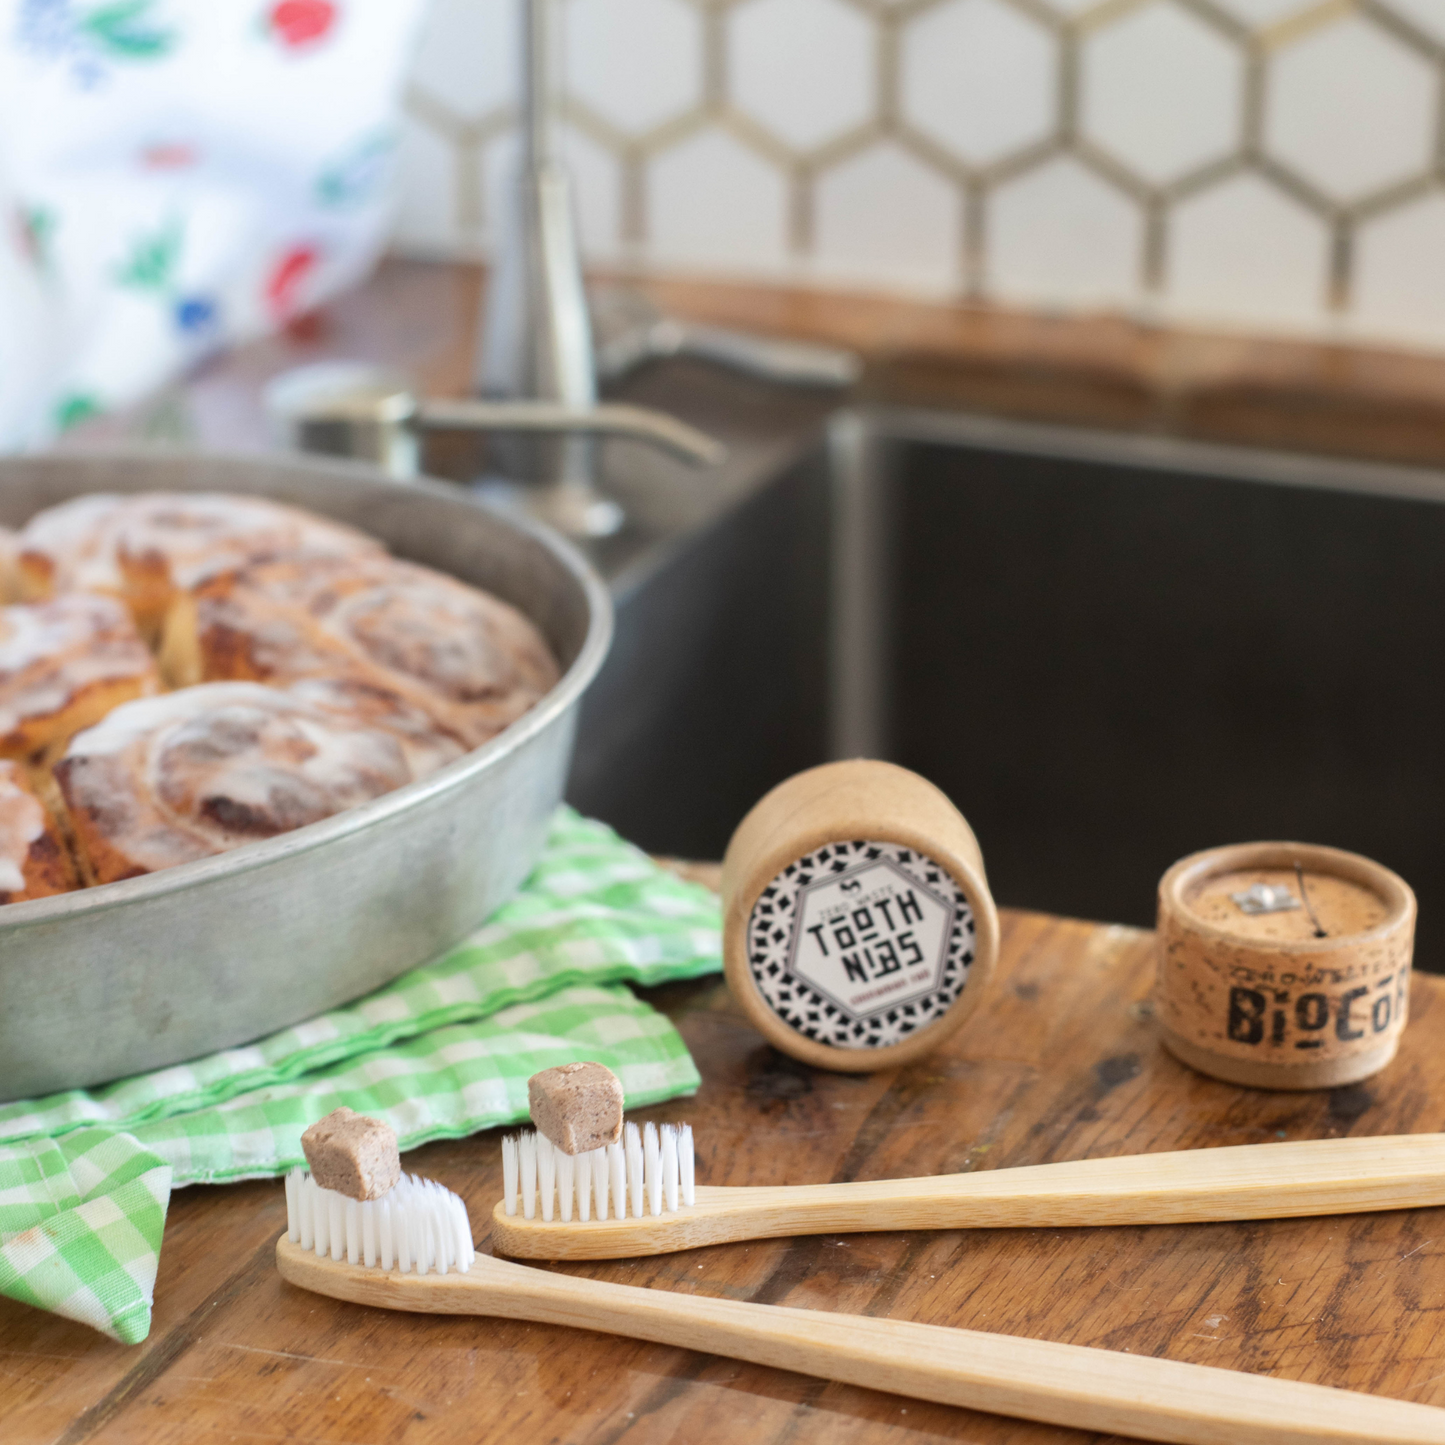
x: 443, y: 1051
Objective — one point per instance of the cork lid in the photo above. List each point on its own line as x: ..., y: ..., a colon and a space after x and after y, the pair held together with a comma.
x: 1292, y: 897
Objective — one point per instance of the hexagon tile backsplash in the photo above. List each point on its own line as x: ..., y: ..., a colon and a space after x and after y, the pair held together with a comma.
x: 1270, y: 164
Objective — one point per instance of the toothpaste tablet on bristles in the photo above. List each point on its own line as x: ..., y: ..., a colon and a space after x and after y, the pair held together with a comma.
x: 352, y: 1154
x: 577, y: 1106
x: 646, y: 1173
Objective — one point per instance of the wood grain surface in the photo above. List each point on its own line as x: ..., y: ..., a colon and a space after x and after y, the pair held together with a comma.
x: 1102, y: 370
x: 1061, y: 1063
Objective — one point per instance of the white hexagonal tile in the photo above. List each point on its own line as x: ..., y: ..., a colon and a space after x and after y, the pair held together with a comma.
x: 426, y: 207
x: 979, y: 77
x: 803, y: 68
x: 636, y: 62
x: 1350, y: 108
x: 1399, y: 281
x: 1060, y: 235
x: 596, y: 193
x: 1260, y: 14
x: 594, y: 175
x: 713, y: 203
x: 883, y: 217
x: 1426, y: 15
x: 498, y: 176
x: 1245, y: 253
x: 467, y: 54
x: 1161, y: 92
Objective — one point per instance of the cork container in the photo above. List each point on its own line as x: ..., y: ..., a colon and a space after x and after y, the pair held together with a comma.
x: 858, y: 928
x: 1308, y: 990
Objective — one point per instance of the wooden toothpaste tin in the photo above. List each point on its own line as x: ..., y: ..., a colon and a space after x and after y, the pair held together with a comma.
x: 858, y: 928
x: 1284, y: 965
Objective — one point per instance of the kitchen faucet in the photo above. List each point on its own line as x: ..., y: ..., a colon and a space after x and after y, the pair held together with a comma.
x: 536, y: 335
x: 536, y: 367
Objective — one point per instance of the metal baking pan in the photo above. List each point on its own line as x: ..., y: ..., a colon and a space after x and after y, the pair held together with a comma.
x: 139, y: 974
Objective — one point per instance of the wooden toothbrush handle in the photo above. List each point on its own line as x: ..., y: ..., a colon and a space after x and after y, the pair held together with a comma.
x: 1250, y: 1181
x: 1088, y: 1389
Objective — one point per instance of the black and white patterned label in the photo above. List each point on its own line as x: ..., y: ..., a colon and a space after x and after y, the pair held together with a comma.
x: 860, y: 944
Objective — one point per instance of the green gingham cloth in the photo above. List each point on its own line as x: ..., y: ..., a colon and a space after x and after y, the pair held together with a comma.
x: 443, y: 1051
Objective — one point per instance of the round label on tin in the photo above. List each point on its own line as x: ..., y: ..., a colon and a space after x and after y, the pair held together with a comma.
x: 858, y: 945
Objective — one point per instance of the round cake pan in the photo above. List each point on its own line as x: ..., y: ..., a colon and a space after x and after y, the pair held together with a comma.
x: 130, y: 976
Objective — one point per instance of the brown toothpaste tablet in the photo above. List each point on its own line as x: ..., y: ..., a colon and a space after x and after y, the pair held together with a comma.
x: 577, y: 1106
x: 352, y: 1154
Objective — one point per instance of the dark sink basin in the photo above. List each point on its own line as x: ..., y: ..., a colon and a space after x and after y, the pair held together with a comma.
x: 1112, y: 651
x: 1109, y: 650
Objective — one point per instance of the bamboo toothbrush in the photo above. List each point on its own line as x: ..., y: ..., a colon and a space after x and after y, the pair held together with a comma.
x: 412, y: 1250
x: 638, y: 1197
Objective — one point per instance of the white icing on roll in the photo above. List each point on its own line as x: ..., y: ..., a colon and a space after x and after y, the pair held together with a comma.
x: 72, y: 537
x: 50, y: 651
x: 90, y: 540
x: 426, y: 743
x: 222, y: 764
x: 134, y: 720
x: 22, y: 821
x: 469, y: 660
x: 445, y: 636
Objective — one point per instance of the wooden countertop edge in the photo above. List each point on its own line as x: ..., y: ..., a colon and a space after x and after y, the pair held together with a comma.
x: 1104, y: 370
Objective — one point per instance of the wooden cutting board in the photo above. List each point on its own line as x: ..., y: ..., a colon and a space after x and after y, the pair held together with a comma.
x: 1062, y: 1062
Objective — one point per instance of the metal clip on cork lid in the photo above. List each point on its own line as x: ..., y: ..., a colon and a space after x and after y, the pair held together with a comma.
x: 858, y: 928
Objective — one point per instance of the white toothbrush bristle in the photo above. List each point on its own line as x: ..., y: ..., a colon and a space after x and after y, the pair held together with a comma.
x: 632, y: 1143
x: 416, y: 1226
x: 566, y: 1170
x: 669, y: 1167
x: 385, y: 1218
x: 600, y: 1180
x: 649, y: 1171
x: 582, y: 1168
x: 652, y: 1167
x: 527, y: 1150
x: 617, y: 1179
x: 547, y: 1174
x: 336, y: 1223
x: 685, y: 1165
x: 509, y: 1172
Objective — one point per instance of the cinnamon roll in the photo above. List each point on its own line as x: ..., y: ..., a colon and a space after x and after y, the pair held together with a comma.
x: 468, y: 660
x: 63, y: 665
x: 147, y: 547
x: 426, y: 743
x: 9, y: 583
x: 34, y: 861
x: 170, y: 779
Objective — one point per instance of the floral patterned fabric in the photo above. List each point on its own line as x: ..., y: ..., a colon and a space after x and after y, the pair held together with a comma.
x: 180, y: 174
